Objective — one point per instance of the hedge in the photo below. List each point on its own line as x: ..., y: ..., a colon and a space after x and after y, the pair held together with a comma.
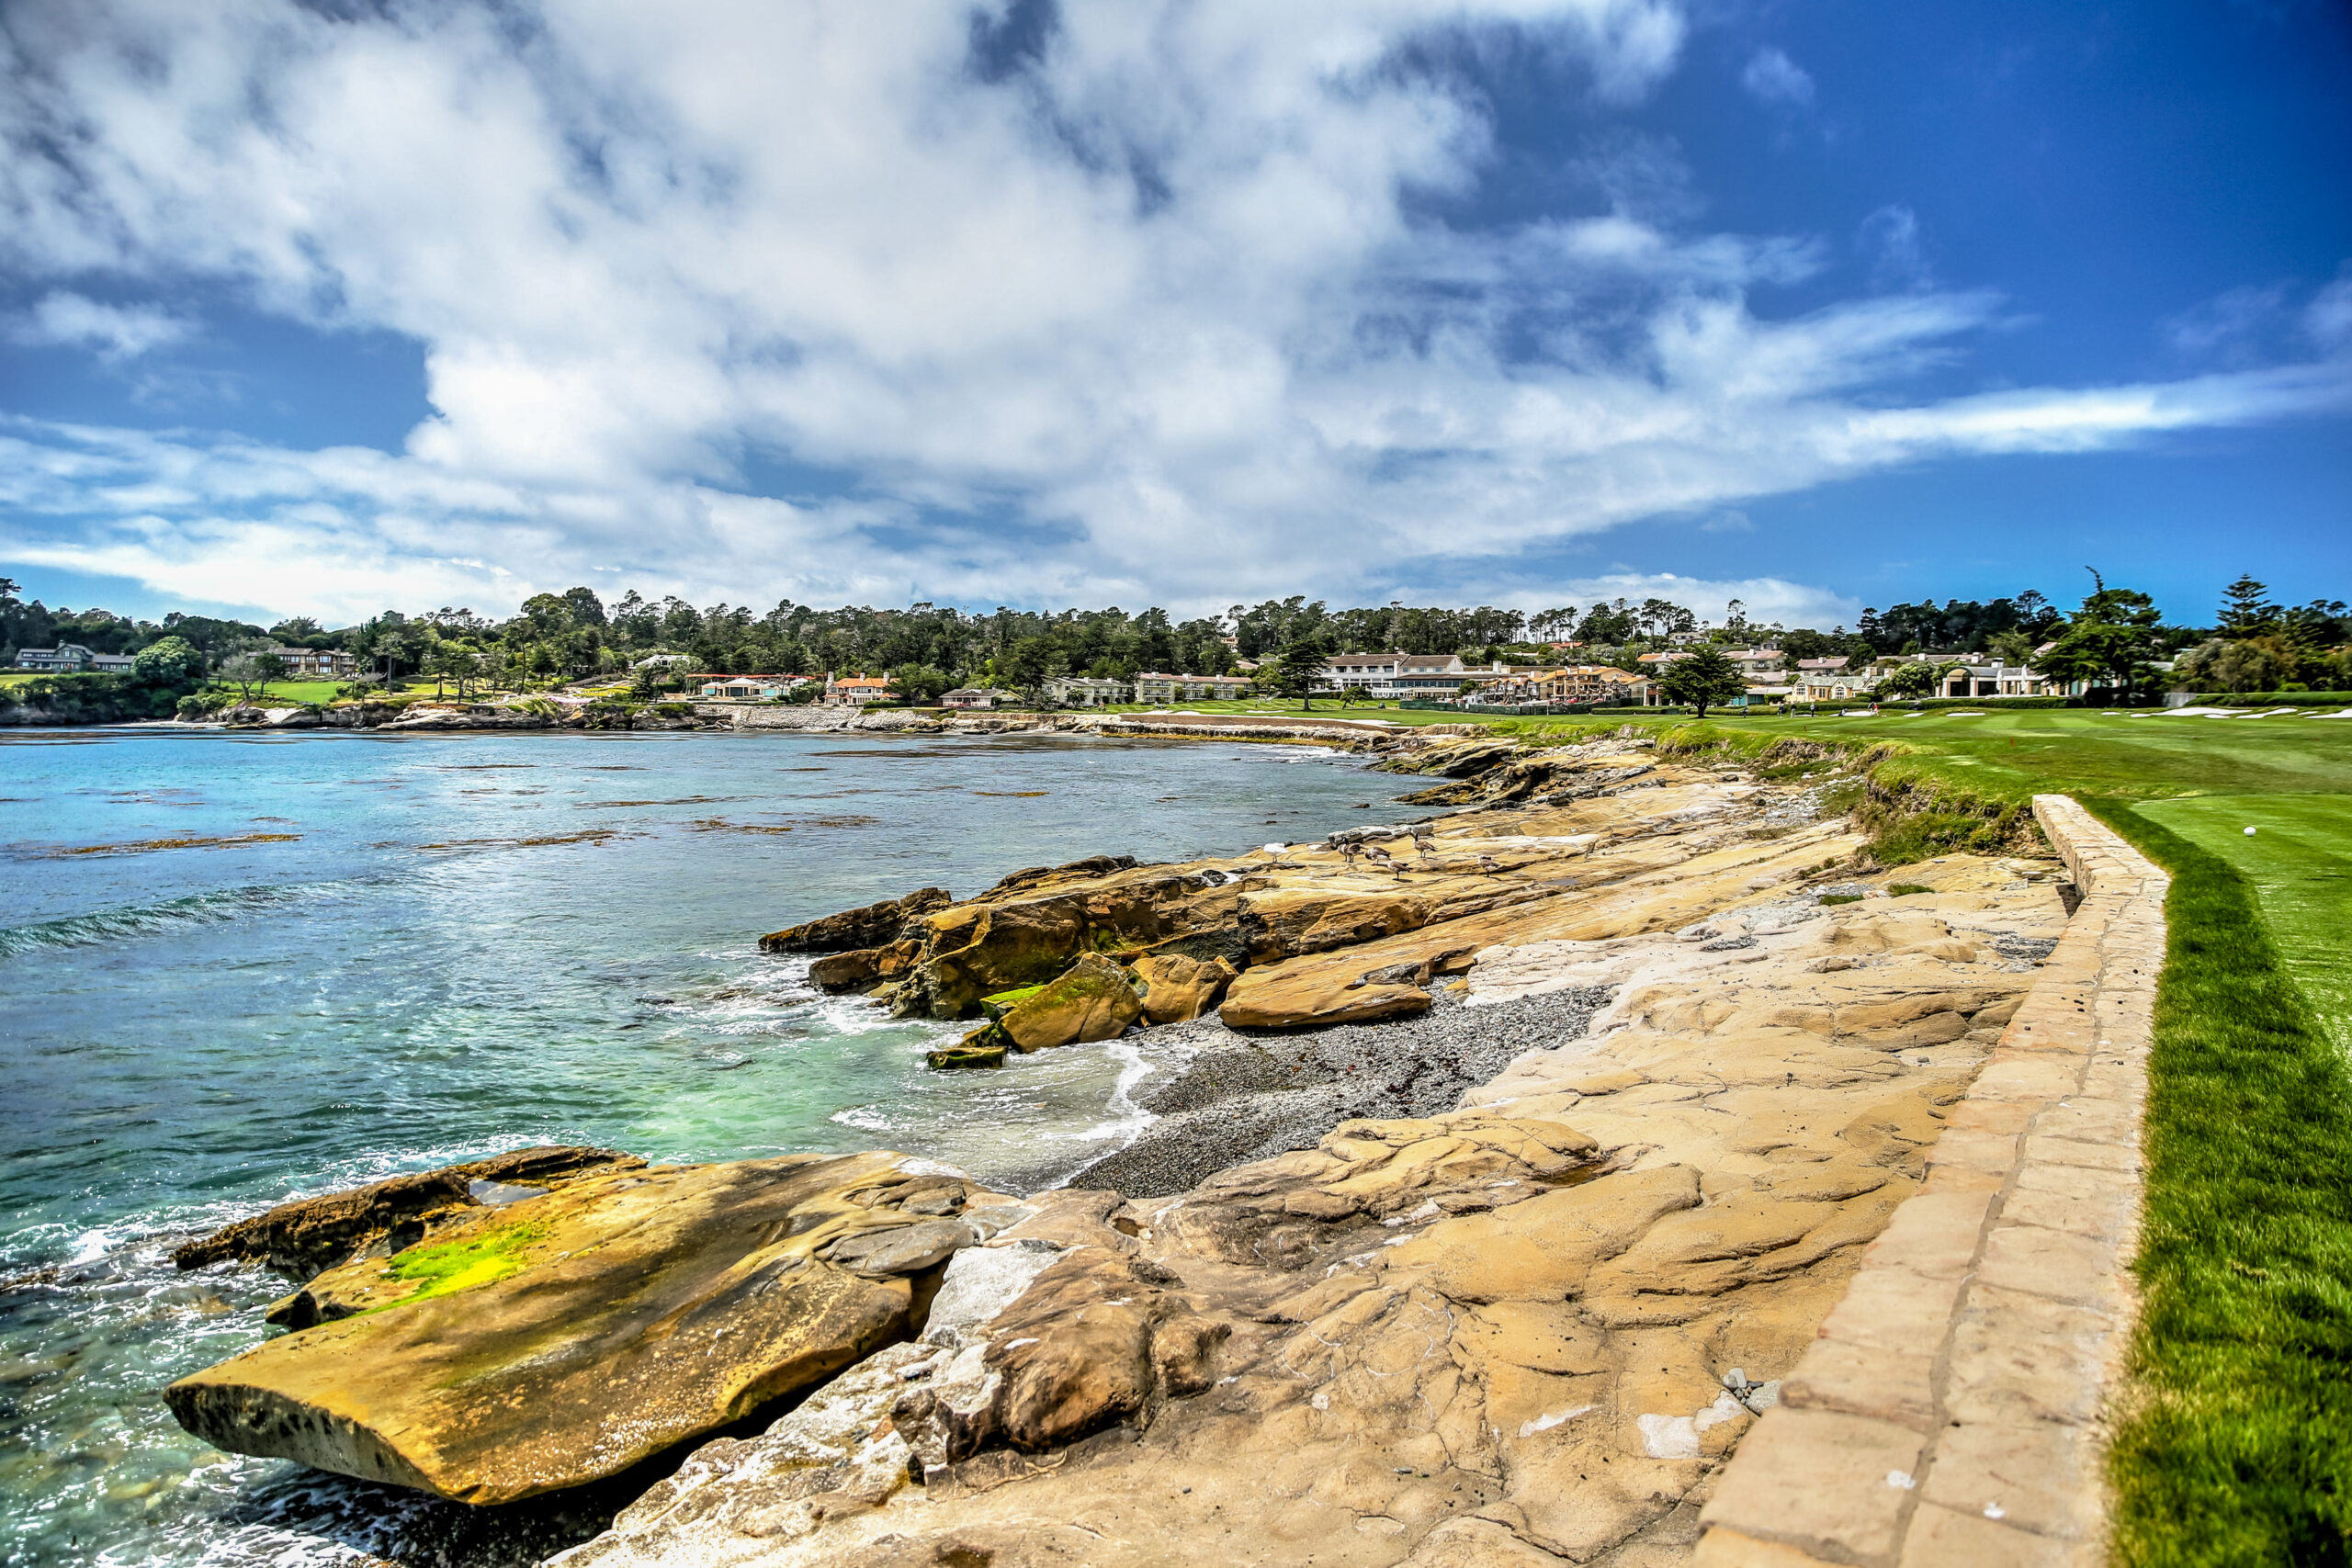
x: 2274, y: 699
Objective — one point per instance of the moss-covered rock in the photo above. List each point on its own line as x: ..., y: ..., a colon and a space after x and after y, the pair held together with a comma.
x: 994, y: 1008
x: 1092, y: 1000
x: 566, y: 1338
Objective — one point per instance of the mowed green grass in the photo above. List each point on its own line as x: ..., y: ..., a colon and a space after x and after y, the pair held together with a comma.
x: 2012, y: 756
x: 2300, y: 861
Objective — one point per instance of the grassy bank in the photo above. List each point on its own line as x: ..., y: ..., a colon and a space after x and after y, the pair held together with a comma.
x: 2238, y: 1449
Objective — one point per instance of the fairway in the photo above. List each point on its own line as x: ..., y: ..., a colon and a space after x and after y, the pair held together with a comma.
x: 2300, y: 861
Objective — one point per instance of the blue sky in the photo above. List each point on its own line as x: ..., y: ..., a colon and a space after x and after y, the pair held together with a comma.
x: 1527, y: 301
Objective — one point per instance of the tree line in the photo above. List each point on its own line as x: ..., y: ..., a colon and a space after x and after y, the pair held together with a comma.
x: 2108, y: 640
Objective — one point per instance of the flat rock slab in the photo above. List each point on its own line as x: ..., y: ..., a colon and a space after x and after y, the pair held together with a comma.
x: 301, y: 1238
x: 558, y: 1339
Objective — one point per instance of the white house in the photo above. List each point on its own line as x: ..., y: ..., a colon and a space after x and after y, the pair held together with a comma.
x: 744, y: 688
x: 979, y: 697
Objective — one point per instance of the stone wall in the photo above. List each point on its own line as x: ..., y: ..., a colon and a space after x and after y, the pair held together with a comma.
x: 1954, y: 1408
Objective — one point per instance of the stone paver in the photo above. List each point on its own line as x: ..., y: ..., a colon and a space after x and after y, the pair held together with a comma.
x: 1951, y: 1411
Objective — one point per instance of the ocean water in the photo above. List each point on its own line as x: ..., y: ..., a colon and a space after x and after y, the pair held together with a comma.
x: 239, y: 968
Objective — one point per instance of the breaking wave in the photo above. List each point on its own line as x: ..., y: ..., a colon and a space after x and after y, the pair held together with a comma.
x: 167, y: 915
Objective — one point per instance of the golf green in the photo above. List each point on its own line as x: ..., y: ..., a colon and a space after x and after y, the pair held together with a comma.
x: 2299, y: 860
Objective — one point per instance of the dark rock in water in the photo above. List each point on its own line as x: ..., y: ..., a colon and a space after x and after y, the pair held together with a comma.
x: 312, y: 1234
x: 864, y: 967
x: 565, y: 1338
x: 981, y: 1048
x: 874, y: 925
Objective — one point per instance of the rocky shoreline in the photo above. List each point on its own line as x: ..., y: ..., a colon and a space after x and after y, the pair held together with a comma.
x: 1504, y: 1164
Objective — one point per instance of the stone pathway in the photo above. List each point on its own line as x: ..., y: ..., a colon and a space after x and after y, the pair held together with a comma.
x: 1952, y: 1409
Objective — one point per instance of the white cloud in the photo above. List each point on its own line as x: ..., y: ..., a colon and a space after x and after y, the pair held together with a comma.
x: 1771, y: 77
x: 66, y: 320
x: 1890, y: 237
x: 2328, y: 319
x: 1145, y: 317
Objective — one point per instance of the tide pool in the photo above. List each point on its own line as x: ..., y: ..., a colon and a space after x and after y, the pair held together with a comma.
x: 239, y: 968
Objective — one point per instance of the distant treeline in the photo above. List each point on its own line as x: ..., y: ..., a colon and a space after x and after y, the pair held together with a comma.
x: 576, y: 632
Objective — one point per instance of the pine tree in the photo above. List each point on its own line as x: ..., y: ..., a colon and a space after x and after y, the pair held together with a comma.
x: 2246, y: 610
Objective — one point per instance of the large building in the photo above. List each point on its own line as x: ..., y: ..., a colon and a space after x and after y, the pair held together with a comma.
x: 1387, y: 676
x: 1086, y: 690
x: 1575, y: 684
x: 1152, y: 686
x: 856, y: 690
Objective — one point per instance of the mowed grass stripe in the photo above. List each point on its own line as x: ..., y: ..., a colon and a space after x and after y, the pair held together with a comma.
x: 2300, y: 861
x: 2237, y: 1444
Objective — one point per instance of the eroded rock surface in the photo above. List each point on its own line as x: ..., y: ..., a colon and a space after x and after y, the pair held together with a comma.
x: 563, y: 1338
x: 1525, y: 1329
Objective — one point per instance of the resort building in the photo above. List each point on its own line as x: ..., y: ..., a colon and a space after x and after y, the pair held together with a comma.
x: 1086, y: 690
x: 1575, y: 684
x: 1157, y: 687
x: 1833, y: 684
x: 1386, y: 676
x: 1995, y: 680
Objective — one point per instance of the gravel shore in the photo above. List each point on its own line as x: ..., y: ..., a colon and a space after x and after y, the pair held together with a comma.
x: 1246, y: 1097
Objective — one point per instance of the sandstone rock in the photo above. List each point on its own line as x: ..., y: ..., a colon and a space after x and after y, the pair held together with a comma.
x: 311, y: 1234
x: 555, y: 1341
x: 1177, y: 988
x: 864, y: 967
x: 872, y: 926
x: 1543, y: 1249
x: 907, y: 1249
x: 1280, y: 922
x: 1091, y: 1000
x: 1281, y: 996
x: 994, y: 1008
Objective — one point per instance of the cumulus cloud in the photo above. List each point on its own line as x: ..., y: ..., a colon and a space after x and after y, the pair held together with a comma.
x: 1771, y: 77
x: 1106, y: 301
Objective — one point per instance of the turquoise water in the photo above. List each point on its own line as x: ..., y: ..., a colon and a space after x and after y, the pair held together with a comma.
x: 399, y: 952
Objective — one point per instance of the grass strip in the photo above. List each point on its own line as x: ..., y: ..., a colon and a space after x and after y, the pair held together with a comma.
x: 2236, y: 1446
